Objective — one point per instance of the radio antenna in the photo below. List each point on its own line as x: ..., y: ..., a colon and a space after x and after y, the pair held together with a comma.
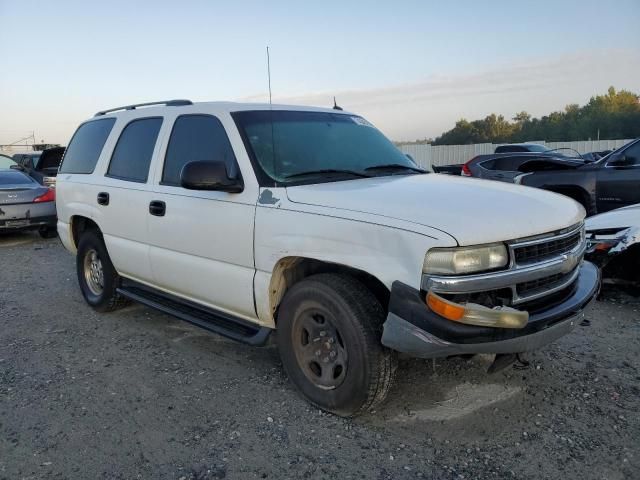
x: 273, y: 141
x: 269, y: 74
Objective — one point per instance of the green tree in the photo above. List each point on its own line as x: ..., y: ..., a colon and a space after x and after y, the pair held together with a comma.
x: 614, y: 115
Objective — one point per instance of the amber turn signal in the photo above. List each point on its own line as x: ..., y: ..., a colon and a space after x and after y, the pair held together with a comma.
x: 474, y: 314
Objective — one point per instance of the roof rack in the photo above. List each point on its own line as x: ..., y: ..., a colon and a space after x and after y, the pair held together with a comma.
x: 168, y: 103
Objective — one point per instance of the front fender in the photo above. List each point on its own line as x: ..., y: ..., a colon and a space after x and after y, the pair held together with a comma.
x: 387, y: 253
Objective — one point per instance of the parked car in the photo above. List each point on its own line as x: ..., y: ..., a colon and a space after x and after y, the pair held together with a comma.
x: 614, y: 243
x: 610, y: 183
x: 504, y: 167
x: 244, y: 219
x: 25, y: 204
x: 42, y: 166
x: 600, y: 186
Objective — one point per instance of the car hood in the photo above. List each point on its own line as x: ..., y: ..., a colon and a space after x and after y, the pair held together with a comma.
x: 472, y: 211
x: 622, y: 217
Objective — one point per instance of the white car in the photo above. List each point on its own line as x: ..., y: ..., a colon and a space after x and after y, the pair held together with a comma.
x: 247, y: 219
x: 613, y: 243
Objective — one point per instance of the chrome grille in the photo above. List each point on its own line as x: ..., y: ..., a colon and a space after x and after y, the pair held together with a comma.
x: 533, y: 287
x: 547, y: 249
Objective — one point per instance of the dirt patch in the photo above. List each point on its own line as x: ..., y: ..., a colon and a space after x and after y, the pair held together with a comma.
x: 137, y: 394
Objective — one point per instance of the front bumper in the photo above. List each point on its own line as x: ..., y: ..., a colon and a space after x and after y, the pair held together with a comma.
x: 411, y: 327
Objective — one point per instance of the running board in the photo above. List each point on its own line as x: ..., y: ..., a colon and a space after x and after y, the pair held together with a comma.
x: 203, y: 317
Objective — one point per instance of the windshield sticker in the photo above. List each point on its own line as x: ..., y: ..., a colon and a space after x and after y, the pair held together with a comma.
x: 361, y: 121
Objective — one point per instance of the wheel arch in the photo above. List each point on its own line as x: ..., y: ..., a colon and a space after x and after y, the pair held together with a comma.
x: 80, y: 224
x: 291, y: 270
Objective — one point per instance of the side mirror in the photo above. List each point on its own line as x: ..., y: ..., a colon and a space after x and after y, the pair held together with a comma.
x: 17, y: 167
x: 209, y: 176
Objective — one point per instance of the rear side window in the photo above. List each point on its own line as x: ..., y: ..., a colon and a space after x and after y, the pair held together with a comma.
x: 196, y: 138
x: 132, y: 156
x: 85, y: 146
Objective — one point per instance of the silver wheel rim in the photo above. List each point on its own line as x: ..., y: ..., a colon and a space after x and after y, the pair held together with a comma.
x: 93, y: 273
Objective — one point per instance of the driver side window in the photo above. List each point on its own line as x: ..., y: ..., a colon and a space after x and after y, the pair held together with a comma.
x: 196, y: 138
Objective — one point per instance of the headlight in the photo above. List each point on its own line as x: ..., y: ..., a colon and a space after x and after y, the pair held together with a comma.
x: 456, y: 261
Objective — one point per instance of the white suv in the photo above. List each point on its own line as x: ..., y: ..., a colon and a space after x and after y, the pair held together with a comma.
x: 244, y: 219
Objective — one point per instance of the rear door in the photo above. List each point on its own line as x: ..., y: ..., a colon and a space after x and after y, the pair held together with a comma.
x: 123, y: 197
x: 618, y: 181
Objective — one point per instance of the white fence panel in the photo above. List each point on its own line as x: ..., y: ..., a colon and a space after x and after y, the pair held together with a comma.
x: 428, y: 155
x: 421, y: 155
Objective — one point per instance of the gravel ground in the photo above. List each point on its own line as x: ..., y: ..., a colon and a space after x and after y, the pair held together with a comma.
x: 138, y: 394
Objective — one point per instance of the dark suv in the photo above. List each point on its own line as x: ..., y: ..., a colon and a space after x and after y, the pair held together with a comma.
x: 611, y: 182
x: 41, y: 166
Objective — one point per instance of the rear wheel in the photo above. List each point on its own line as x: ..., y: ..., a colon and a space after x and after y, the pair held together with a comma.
x: 329, y: 330
x: 97, y: 277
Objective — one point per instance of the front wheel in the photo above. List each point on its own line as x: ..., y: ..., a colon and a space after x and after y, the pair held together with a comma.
x: 97, y: 277
x: 329, y: 329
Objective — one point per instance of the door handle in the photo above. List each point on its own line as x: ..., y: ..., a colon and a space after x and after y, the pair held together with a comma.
x: 157, y: 208
x: 103, y: 198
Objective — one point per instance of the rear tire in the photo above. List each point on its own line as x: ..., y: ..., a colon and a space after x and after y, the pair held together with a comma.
x: 97, y: 277
x: 329, y: 329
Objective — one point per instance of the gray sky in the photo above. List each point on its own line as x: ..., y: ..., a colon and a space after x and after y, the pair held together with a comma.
x: 412, y: 68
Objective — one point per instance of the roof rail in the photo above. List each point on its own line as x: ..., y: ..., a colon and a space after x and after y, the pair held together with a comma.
x: 168, y: 103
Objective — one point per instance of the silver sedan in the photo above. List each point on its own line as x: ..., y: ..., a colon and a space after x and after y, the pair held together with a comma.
x: 25, y: 204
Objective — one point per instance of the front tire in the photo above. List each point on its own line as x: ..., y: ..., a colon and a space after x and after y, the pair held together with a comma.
x: 329, y: 329
x: 97, y: 277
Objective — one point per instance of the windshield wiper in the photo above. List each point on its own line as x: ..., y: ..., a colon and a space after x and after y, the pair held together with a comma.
x: 395, y: 166
x: 330, y: 171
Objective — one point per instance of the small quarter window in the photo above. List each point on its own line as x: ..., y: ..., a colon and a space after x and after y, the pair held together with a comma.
x: 86, y: 145
x: 132, y: 156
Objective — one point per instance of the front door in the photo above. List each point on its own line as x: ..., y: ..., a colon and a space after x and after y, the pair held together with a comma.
x: 618, y: 181
x: 201, y: 246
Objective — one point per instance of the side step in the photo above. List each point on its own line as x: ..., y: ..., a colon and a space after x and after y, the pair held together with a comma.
x: 209, y: 319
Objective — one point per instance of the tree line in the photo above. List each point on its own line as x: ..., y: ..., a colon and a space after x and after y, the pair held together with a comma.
x: 615, y: 115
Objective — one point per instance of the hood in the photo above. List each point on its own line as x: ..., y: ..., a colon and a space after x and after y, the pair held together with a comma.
x: 473, y: 211
x: 620, y: 218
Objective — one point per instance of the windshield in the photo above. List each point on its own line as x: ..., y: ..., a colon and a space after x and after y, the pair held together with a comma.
x: 319, y: 146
